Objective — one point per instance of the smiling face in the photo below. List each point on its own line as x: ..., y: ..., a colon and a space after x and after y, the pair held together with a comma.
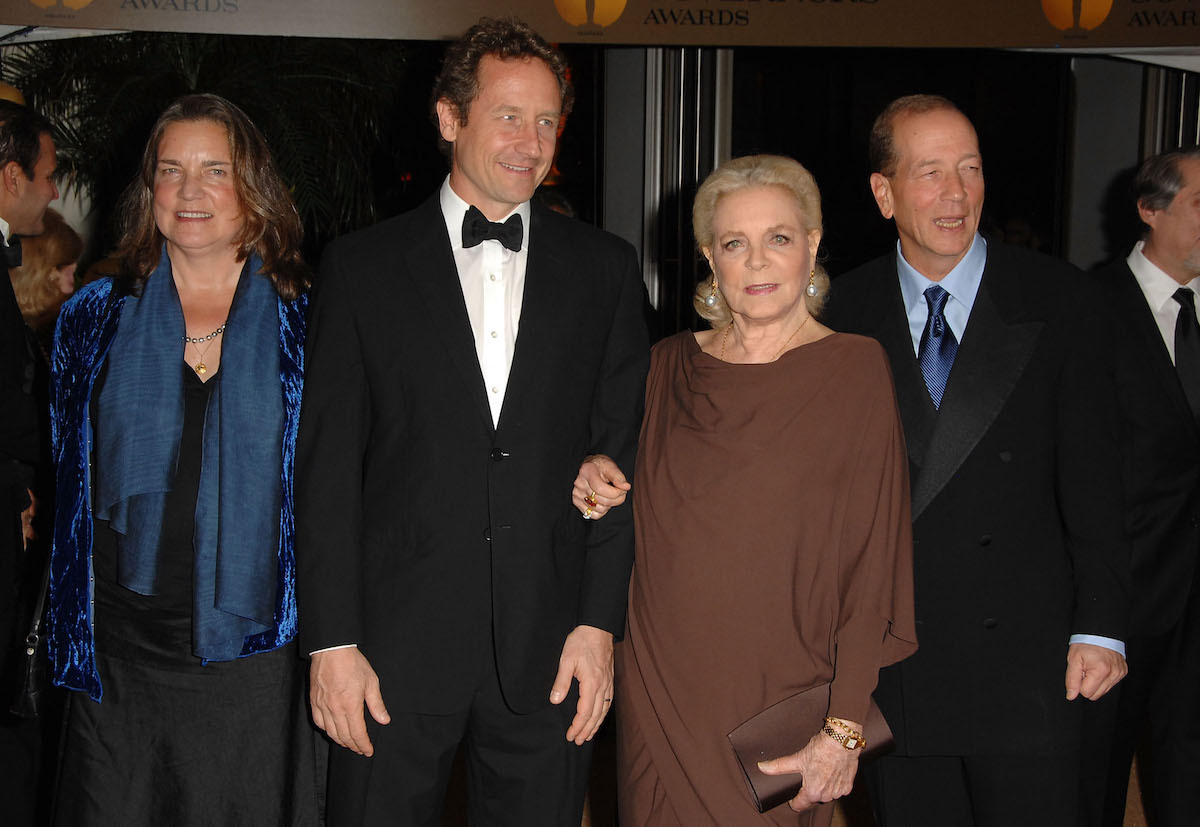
x: 1173, y: 243
x: 504, y: 150
x: 196, y: 205
x: 936, y: 193
x: 762, y: 254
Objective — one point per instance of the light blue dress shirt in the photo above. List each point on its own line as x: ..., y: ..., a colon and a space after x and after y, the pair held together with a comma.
x: 962, y: 283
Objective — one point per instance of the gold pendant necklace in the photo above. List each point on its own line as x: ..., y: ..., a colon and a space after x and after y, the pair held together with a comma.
x: 196, y: 341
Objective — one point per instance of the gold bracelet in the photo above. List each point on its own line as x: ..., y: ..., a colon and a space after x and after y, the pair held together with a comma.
x: 850, y: 739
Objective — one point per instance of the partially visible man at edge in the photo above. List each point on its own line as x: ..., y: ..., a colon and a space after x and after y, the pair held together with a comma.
x: 28, y: 162
x: 464, y: 359
x: 1020, y: 560
x: 1152, y: 296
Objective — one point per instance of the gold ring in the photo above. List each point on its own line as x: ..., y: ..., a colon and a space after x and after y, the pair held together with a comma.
x: 587, y: 515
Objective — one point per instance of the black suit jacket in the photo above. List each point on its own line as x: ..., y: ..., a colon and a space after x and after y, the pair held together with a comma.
x: 1160, y: 448
x: 1016, y: 506
x: 433, y: 539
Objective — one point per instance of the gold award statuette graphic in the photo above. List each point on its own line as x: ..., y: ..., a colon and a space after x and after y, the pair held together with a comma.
x: 74, y: 5
x: 1076, y: 16
x: 592, y: 14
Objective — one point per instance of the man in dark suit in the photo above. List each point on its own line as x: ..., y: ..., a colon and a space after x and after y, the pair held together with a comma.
x: 1151, y: 295
x: 443, y: 570
x: 1020, y: 563
x: 27, y: 164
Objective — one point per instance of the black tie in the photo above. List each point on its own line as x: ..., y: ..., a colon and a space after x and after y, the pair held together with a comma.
x: 12, y: 252
x: 1187, y: 348
x: 476, y: 229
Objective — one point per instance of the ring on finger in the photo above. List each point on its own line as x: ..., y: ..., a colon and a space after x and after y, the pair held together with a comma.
x: 587, y: 515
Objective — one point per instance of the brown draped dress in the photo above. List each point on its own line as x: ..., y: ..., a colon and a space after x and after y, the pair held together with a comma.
x: 774, y: 553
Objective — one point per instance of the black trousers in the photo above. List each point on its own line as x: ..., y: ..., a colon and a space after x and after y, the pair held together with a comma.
x: 521, y: 769
x: 1158, y: 705
x: 975, y: 791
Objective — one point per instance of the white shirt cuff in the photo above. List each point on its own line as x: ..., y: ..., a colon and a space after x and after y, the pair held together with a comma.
x: 355, y: 646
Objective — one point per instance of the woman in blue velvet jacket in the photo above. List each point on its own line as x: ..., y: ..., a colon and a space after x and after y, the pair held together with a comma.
x: 175, y: 404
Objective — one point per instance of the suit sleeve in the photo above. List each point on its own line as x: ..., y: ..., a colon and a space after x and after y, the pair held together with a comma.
x: 329, y: 459
x: 1089, y: 478
x: 615, y: 422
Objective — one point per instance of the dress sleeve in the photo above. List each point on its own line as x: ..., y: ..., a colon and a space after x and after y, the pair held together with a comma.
x: 875, y: 624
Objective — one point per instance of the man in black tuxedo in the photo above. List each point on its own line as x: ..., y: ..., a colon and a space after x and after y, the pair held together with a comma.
x: 446, y: 580
x: 1151, y: 294
x: 1021, y: 566
x: 27, y: 165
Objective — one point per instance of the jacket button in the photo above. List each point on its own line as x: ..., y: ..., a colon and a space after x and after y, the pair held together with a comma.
x: 498, y: 455
x: 487, y: 535
x: 1006, y: 456
x: 985, y: 540
x: 990, y: 623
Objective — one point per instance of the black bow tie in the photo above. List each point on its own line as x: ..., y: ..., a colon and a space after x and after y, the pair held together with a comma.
x: 476, y: 228
x: 12, y: 252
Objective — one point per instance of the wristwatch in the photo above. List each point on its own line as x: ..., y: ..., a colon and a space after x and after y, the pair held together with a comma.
x: 849, y: 739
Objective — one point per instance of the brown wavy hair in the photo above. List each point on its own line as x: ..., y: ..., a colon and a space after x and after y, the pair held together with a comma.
x: 271, y: 226
x: 38, y: 294
x: 506, y: 38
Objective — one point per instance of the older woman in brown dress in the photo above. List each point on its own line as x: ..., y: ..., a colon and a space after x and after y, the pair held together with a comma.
x: 773, y: 527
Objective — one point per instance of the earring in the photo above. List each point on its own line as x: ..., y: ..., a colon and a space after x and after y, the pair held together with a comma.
x: 812, y: 290
x: 711, y: 299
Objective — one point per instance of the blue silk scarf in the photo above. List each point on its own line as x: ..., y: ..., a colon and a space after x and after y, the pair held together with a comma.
x: 139, y: 423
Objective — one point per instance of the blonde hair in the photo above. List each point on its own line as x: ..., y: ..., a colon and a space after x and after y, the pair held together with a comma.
x: 742, y: 173
x: 37, y: 291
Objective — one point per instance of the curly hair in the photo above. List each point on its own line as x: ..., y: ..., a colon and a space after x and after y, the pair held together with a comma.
x: 271, y: 225
x: 739, y: 174
x: 506, y: 38
x: 38, y: 294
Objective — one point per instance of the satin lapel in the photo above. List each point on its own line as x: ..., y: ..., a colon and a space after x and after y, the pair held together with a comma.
x: 990, y: 360
x: 1144, y: 335
x: 434, y: 278
x: 889, y: 326
x: 547, y: 287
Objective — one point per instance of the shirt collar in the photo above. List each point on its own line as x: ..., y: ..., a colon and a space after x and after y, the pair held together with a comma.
x: 454, y: 210
x: 1157, y: 286
x: 4, y: 230
x: 962, y: 283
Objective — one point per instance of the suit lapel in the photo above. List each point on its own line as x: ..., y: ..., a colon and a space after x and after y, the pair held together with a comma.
x: 434, y: 278
x: 990, y: 360
x: 1146, y: 338
x: 542, y: 302
x: 890, y: 329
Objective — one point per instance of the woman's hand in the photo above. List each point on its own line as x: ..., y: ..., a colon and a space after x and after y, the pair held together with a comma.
x: 599, y: 487
x: 827, y: 767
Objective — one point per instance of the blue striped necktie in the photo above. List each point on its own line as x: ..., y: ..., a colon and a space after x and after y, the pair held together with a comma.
x: 938, y: 345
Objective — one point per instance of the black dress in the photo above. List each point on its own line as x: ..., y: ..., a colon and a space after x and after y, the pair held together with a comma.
x: 175, y: 740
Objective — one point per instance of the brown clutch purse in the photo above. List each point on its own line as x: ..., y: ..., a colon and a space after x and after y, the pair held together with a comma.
x: 784, y: 729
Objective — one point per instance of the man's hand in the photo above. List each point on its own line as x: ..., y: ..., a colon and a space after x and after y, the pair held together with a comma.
x: 599, y: 487
x: 587, y: 656
x: 826, y: 766
x: 1093, y: 670
x: 342, y: 680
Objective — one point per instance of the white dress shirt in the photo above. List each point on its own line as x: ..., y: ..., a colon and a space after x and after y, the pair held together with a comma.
x: 1159, y: 290
x: 493, y: 285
